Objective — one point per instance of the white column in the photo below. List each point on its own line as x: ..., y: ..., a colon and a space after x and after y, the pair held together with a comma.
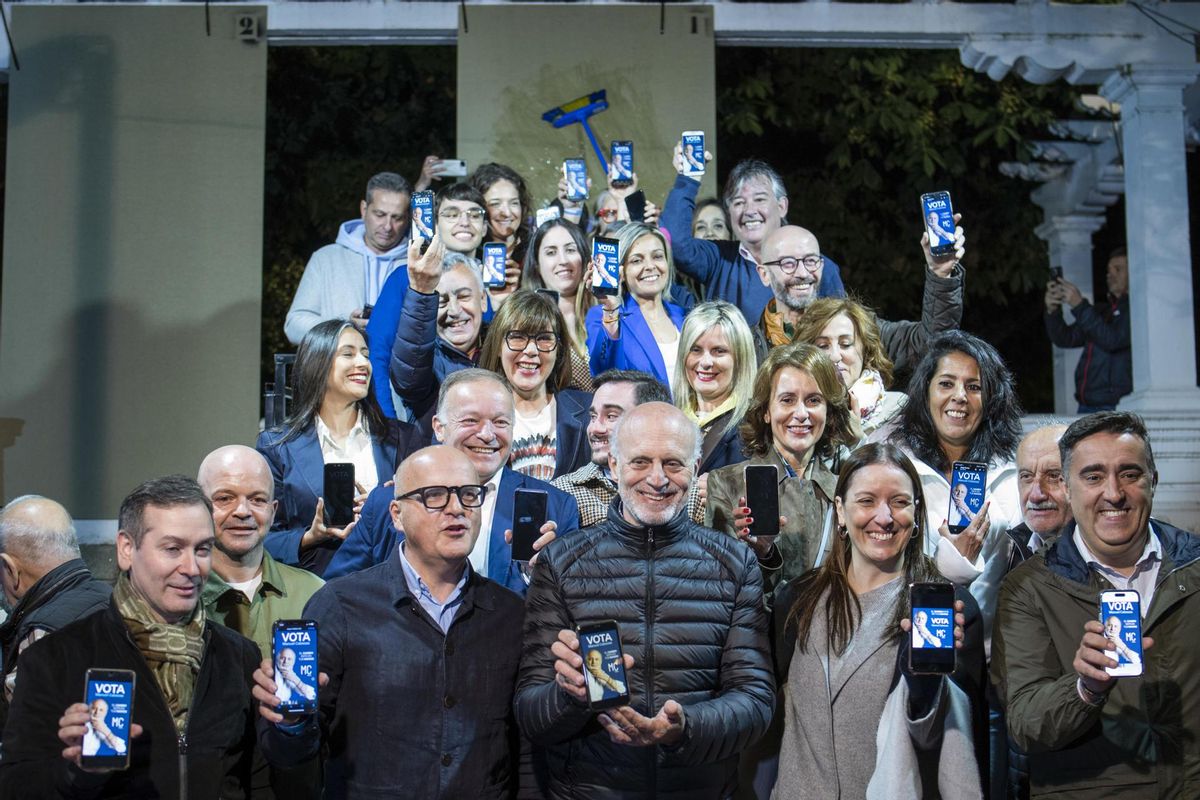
x: 1070, y: 240
x: 1156, y: 222
x: 1160, y: 279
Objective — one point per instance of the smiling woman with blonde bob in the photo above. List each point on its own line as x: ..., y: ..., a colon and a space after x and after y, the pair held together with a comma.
x: 640, y: 331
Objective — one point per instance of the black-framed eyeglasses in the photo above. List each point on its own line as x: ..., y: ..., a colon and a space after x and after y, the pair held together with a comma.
x: 453, y: 214
x: 788, y: 266
x: 519, y: 340
x: 436, y: 498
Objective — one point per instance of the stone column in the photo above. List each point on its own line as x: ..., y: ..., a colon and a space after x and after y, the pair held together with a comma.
x: 1156, y: 223
x: 1160, y: 278
x: 1070, y: 240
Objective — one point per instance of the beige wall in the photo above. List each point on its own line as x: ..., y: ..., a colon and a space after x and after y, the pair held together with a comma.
x: 517, y: 62
x: 129, y: 333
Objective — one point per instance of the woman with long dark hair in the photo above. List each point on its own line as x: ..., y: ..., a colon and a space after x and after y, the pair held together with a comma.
x: 842, y: 643
x: 508, y: 207
x: 962, y: 406
x: 555, y: 262
x: 334, y: 419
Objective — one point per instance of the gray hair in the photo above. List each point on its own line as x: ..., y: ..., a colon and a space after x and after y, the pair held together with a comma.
x: 615, y: 435
x: 748, y: 170
x: 452, y: 260
x: 468, y: 375
x: 387, y: 182
x: 36, y: 541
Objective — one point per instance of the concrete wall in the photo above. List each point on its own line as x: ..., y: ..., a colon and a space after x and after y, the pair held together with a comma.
x: 129, y: 333
x: 516, y: 62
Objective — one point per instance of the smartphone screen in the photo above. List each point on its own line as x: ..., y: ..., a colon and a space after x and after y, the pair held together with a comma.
x: 575, y: 171
x: 529, y: 515
x: 339, y: 494
x: 693, y: 153
x: 968, y: 484
x: 938, y: 214
x: 621, y: 155
x: 762, y: 496
x: 495, y: 254
x: 544, y: 215
x: 1121, y: 615
x: 108, y: 694
x: 1056, y: 273
x: 607, y: 275
x: 294, y: 654
x: 422, y: 209
x: 932, y: 615
x: 603, y: 665
x: 636, y: 203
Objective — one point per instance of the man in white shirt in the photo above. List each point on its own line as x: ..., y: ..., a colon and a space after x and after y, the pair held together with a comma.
x: 1137, y: 737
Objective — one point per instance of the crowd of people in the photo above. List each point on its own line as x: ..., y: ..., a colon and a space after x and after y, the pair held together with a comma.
x: 747, y: 664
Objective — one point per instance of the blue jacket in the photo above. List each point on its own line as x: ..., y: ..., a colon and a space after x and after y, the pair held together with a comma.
x: 375, y: 538
x: 420, y: 359
x: 720, y: 267
x: 299, y: 472
x: 636, y: 348
x: 410, y: 711
x: 571, y: 424
x: 381, y: 332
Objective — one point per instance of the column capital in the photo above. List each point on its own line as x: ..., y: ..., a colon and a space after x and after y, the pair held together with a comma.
x: 1074, y: 227
x: 1133, y: 82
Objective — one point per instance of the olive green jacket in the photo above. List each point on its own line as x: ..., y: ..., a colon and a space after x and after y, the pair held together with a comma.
x: 1144, y: 740
x: 805, y: 501
x: 283, y: 593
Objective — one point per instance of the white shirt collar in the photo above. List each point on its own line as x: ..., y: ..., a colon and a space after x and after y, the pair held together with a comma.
x: 1152, y: 551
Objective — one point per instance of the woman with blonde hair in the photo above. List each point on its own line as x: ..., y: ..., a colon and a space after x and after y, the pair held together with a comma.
x: 714, y: 379
x: 638, y: 328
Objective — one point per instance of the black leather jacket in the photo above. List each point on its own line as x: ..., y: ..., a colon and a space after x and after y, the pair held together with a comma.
x: 689, y: 604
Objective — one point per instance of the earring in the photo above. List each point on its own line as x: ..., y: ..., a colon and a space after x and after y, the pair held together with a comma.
x: 843, y: 531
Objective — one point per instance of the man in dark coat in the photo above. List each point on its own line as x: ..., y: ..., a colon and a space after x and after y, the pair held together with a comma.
x: 688, y: 605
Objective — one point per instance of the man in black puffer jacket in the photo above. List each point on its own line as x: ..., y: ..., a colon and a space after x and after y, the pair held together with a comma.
x: 689, y: 607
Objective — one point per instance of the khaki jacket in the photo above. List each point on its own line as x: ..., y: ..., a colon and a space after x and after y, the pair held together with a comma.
x: 1144, y: 740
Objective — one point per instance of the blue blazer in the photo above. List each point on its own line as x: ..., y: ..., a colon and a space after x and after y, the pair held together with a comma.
x: 375, y: 538
x: 571, y: 429
x: 636, y: 348
x: 299, y: 472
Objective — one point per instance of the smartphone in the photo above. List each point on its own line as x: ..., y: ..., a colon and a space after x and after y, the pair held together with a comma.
x: 621, y: 156
x: 366, y: 311
x: 693, y: 145
x: 422, y: 209
x: 339, y: 494
x: 1121, y: 615
x: 575, y: 171
x: 968, y: 484
x: 931, y: 611
x: 606, y: 278
x: 529, y: 515
x: 452, y: 168
x: 636, y: 203
x: 1056, y: 274
x: 294, y: 654
x: 544, y: 215
x: 495, y: 254
x: 938, y: 215
x: 108, y: 694
x: 603, y: 665
x: 762, y: 495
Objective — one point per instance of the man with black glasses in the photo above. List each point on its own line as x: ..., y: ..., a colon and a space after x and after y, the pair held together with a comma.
x: 792, y: 265
x: 419, y: 656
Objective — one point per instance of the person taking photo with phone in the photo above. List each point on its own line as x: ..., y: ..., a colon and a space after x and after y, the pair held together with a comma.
x: 1087, y: 733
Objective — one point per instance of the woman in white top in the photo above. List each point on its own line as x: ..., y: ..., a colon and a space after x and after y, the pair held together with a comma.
x: 638, y: 328
x: 524, y: 343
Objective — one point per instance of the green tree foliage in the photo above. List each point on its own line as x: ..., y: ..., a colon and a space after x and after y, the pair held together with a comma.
x: 335, y: 117
x: 859, y: 135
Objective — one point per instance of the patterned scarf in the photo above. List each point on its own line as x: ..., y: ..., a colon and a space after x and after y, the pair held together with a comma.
x: 172, y: 651
x: 778, y: 331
